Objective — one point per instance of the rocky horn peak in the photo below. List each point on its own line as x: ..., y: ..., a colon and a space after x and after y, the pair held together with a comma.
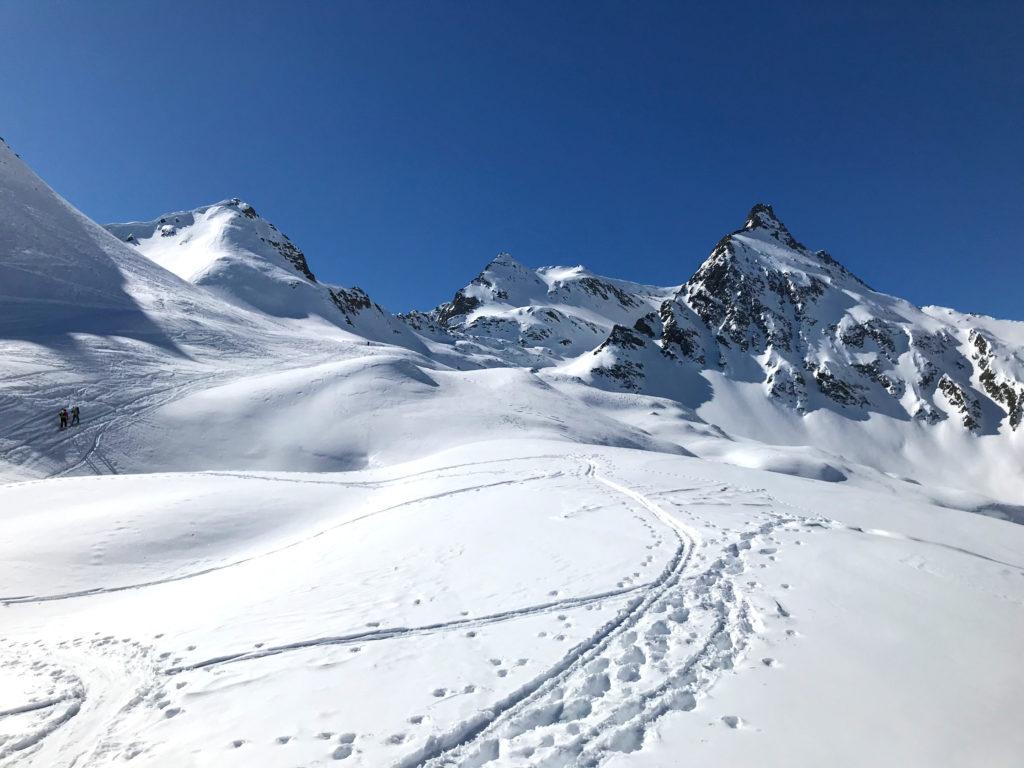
x: 762, y: 216
x: 504, y: 259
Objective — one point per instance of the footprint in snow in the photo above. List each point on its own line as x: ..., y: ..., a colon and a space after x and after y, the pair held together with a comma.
x: 439, y: 692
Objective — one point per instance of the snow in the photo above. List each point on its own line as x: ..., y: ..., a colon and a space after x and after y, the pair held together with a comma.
x: 303, y: 532
x: 630, y: 603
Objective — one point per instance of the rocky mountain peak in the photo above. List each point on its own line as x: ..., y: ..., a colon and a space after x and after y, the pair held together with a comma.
x: 504, y: 261
x: 763, y: 216
x: 762, y: 219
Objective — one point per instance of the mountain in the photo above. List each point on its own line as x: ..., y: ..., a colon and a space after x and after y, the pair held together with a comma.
x: 770, y: 341
x: 205, y: 341
x: 561, y: 520
x: 764, y: 307
x: 761, y: 308
x: 536, y: 317
x: 229, y: 249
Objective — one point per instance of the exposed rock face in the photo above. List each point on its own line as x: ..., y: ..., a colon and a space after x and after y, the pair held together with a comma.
x: 460, y: 306
x: 351, y: 301
x: 1007, y: 392
x: 960, y: 401
x: 762, y: 307
x: 538, y: 317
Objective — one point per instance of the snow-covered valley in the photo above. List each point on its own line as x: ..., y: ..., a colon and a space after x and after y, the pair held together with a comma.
x: 768, y: 516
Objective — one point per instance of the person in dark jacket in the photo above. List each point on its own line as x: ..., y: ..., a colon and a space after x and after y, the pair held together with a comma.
x: 74, y: 415
x: 63, y: 418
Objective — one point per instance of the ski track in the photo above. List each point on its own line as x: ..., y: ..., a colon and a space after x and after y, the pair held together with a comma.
x: 12, y: 600
x: 562, y: 719
x: 397, y: 632
x: 95, y: 688
x: 599, y: 698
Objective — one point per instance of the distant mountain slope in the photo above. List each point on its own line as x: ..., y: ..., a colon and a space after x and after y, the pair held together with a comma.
x: 764, y: 308
x: 229, y: 249
x: 60, y: 273
x: 203, y: 338
x: 537, y: 317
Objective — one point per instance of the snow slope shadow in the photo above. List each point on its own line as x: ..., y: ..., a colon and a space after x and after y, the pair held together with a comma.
x: 61, y: 274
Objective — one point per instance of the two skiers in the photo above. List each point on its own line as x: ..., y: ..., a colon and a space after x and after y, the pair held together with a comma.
x: 63, y: 415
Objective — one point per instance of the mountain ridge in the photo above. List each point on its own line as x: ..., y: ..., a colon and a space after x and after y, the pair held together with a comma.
x: 767, y: 343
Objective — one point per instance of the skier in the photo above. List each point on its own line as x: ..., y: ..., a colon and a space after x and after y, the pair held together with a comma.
x: 74, y: 415
x: 63, y: 418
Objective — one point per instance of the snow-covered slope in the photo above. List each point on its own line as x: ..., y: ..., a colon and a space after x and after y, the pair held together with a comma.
x: 536, y: 317
x: 230, y: 250
x: 769, y: 341
x: 172, y: 374
x: 562, y: 521
x: 519, y: 604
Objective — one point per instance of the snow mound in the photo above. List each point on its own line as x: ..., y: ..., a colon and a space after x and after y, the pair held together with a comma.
x: 795, y: 462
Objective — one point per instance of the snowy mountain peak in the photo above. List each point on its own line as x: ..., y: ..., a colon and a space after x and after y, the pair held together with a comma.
x: 504, y: 260
x: 189, y: 243
x: 230, y: 250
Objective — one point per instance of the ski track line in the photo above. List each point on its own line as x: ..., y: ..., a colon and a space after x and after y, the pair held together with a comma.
x: 439, y: 750
x: 104, y: 688
x: 18, y: 599
x: 35, y: 705
x: 906, y: 537
x: 60, y: 392
x: 621, y: 728
x: 401, y: 632
x: 269, y: 476
x: 122, y: 411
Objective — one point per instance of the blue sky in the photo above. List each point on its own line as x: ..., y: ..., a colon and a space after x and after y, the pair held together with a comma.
x: 402, y: 144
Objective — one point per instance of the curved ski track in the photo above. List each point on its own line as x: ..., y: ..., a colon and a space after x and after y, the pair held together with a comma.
x: 563, y: 713
x: 191, y: 575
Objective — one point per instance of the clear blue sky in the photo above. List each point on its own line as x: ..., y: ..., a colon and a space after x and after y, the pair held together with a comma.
x: 402, y: 144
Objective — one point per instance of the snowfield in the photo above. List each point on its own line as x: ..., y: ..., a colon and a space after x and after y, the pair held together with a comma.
x: 513, y: 603
x: 528, y: 529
